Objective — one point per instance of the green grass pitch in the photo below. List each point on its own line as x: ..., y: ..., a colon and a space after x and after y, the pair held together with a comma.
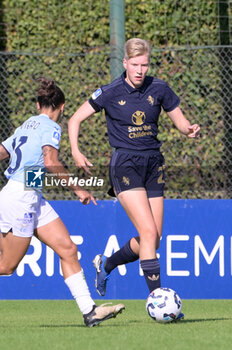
x: 48, y: 325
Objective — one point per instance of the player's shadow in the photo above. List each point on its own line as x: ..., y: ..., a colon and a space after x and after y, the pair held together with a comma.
x: 61, y: 326
x: 76, y: 325
x: 184, y: 321
x: 131, y: 322
x: 204, y: 320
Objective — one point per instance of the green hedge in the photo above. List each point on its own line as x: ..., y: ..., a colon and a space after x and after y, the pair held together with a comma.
x: 69, y: 41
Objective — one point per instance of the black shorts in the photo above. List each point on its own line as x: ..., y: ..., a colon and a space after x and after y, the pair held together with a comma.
x: 131, y: 169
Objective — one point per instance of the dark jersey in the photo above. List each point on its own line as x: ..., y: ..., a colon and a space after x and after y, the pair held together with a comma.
x: 132, y: 114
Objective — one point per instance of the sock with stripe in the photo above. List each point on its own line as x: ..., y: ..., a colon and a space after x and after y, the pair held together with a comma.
x: 151, y: 270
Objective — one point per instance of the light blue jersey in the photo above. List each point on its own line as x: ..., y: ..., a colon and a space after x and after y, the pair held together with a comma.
x: 25, y: 145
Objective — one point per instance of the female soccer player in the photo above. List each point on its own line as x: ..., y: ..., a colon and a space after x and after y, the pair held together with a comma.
x: 25, y: 212
x: 132, y: 105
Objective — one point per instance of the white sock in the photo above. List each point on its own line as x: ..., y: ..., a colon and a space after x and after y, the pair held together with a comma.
x: 80, y: 291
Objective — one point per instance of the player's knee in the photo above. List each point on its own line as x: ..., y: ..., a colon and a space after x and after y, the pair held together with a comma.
x: 70, y: 251
x: 150, y: 235
x: 73, y: 249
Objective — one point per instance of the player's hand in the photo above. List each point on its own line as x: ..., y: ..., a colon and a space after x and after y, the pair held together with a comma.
x: 85, y: 197
x: 82, y: 162
x: 194, y: 131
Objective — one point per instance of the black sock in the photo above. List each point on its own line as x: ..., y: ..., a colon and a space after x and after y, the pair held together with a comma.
x: 122, y: 256
x: 151, y: 270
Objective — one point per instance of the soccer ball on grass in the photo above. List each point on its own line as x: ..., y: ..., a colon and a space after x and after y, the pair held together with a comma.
x: 163, y: 305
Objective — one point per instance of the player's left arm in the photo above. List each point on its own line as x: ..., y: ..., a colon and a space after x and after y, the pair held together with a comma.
x: 3, y: 153
x: 182, y: 124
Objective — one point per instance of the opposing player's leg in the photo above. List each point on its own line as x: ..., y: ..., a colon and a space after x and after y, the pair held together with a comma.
x: 56, y: 236
x: 144, y: 213
x: 130, y: 251
x: 137, y: 206
x: 12, y: 250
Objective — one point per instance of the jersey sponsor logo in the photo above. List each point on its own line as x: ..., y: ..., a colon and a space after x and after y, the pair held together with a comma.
x: 122, y: 102
x: 138, y: 118
x: 56, y: 137
x: 139, y: 131
x: 96, y: 93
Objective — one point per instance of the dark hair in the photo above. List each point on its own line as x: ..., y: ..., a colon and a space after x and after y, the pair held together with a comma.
x: 49, y: 94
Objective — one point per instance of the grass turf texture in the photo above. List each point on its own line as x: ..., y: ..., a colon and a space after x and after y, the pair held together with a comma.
x: 46, y: 324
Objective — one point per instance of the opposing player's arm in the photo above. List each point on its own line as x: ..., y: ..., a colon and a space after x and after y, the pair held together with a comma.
x: 53, y: 165
x: 182, y: 124
x: 82, y: 113
x: 3, y: 153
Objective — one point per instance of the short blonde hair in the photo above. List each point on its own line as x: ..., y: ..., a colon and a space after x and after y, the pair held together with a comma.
x: 136, y: 47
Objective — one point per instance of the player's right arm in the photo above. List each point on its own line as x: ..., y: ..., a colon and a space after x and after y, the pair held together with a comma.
x: 82, y: 113
x: 53, y: 165
x: 3, y: 153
